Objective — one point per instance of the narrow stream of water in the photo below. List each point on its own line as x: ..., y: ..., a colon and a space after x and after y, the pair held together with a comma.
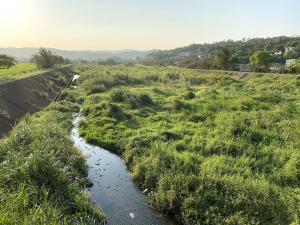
x: 113, y: 190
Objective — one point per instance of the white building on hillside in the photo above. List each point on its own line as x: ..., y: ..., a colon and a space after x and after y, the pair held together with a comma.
x: 291, y: 61
x: 290, y: 49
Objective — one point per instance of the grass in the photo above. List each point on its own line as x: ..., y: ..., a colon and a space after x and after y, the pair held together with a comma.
x: 21, y: 70
x: 18, y: 71
x: 42, y: 176
x: 210, y: 149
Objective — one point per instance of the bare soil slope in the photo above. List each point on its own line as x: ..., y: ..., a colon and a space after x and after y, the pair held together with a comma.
x: 29, y: 95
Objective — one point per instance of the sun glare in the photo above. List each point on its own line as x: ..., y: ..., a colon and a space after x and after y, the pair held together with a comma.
x: 11, y: 11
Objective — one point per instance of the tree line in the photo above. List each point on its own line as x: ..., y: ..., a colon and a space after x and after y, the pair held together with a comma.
x: 44, y: 59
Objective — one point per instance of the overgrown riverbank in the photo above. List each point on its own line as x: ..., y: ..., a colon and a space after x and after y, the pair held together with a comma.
x: 208, y: 148
x: 42, y: 176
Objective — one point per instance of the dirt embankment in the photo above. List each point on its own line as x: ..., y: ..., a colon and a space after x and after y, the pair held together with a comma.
x: 29, y: 95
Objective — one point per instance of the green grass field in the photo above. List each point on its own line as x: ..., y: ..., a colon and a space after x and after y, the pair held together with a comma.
x: 209, y: 148
x: 18, y: 71
x: 22, y: 70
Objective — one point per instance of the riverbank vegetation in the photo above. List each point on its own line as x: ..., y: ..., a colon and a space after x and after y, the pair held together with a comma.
x: 208, y: 148
x: 42, y: 176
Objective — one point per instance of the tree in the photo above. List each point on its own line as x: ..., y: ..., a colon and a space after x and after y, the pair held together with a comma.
x: 234, y: 59
x: 108, y: 61
x: 59, y: 59
x: 222, y: 59
x: 45, y: 59
x: 6, y: 62
x: 195, y: 63
x: 260, y: 61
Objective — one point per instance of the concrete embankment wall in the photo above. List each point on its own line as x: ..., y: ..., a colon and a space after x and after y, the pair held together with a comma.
x: 29, y: 95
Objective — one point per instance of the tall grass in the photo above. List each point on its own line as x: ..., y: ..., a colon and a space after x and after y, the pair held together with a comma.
x: 42, y: 176
x: 210, y: 149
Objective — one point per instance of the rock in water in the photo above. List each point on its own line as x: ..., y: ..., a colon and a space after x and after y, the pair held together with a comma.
x: 131, y: 215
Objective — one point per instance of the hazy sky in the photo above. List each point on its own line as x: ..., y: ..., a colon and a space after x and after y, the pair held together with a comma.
x: 141, y: 24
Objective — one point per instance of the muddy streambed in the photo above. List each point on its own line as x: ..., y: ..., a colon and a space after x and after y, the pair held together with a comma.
x: 114, y: 190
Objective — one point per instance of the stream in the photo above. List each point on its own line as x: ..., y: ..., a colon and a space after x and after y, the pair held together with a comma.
x: 114, y: 190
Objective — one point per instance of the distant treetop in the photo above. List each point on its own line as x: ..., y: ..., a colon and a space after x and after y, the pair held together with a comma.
x: 45, y: 59
x: 6, y: 61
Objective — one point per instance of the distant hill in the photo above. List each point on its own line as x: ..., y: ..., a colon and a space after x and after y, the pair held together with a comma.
x: 198, y: 54
x: 26, y: 53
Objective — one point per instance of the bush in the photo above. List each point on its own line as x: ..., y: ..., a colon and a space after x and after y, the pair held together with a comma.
x: 174, y: 103
x: 294, y: 68
x: 144, y: 99
x: 119, y: 95
x: 189, y: 95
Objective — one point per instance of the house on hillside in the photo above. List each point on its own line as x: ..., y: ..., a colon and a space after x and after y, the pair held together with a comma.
x: 278, y: 52
x: 290, y: 49
x: 291, y: 61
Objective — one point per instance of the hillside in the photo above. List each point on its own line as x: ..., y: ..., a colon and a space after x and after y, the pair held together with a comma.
x: 242, y: 50
x: 26, y: 54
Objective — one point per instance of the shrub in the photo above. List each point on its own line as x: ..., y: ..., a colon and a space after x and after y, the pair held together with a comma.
x: 144, y: 99
x: 97, y: 88
x: 174, y: 103
x: 189, y: 95
x: 294, y: 68
x: 118, y: 95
